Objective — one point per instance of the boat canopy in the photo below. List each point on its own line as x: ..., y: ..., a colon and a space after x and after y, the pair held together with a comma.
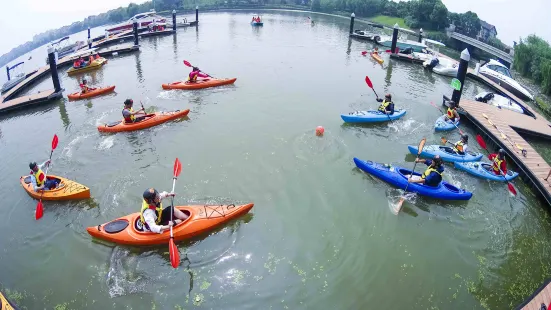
x: 60, y: 40
x: 16, y: 65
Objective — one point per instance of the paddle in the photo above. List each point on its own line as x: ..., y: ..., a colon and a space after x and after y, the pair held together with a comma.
x: 453, y: 123
x: 510, y: 186
x: 368, y: 82
x: 444, y: 141
x: 172, y: 249
x: 419, y: 150
x: 187, y: 63
x: 39, y: 208
x: 504, y: 136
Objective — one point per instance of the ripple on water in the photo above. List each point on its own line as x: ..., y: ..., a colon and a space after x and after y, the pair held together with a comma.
x: 311, y: 148
x: 124, y: 276
x: 106, y: 143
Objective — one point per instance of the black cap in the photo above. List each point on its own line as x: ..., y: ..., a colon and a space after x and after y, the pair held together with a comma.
x: 128, y: 102
x: 32, y: 165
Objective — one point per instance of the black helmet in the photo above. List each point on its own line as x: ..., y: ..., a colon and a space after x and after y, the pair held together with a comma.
x: 128, y: 102
x: 195, y: 69
x: 84, y: 81
x: 389, y: 96
x: 438, y: 161
x: 150, y: 194
x: 452, y: 104
x: 465, y: 137
x: 32, y: 165
x: 501, y: 152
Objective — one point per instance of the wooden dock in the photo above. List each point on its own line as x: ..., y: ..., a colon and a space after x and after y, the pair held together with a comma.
x: 541, y: 296
x: 509, y: 124
x: 148, y: 34
x: 30, y: 100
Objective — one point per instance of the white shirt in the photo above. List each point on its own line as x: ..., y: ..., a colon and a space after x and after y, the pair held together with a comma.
x: 33, y: 179
x: 150, y: 217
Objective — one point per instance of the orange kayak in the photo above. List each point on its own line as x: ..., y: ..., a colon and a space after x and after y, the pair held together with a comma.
x: 377, y: 57
x: 66, y: 190
x: 5, y: 304
x: 201, y: 220
x: 91, y: 93
x: 151, y: 120
x: 199, y: 84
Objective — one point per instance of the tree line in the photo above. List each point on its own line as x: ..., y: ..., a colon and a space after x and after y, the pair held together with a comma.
x: 533, y: 60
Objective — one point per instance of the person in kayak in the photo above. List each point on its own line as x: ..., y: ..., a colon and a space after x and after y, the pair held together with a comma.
x: 498, y: 162
x: 451, y: 113
x: 84, y: 87
x: 433, y: 175
x: 152, y: 215
x: 76, y: 64
x: 386, y: 106
x: 38, y: 177
x: 129, y: 114
x: 460, y: 147
x: 195, y: 73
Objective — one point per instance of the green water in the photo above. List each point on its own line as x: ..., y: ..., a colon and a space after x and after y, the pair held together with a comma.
x: 321, y: 235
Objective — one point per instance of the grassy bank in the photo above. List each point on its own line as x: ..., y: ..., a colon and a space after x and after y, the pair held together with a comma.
x: 389, y: 21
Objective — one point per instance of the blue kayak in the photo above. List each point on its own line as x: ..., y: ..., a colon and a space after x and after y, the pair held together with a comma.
x: 482, y: 170
x: 397, y: 177
x: 446, y: 153
x: 257, y: 24
x: 371, y: 116
x: 442, y: 124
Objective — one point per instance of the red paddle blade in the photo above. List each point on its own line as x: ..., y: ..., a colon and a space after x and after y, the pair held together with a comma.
x: 55, y: 140
x: 174, y: 254
x: 39, y: 210
x: 177, y: 167
x: 187, y: 63
x: 368, y: 82
x: 512, y: 189
x: 364, y: 53
x: 481, y: 141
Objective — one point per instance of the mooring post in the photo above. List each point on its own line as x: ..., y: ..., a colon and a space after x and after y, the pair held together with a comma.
x: 352, y: 22
x: 461, y: 74
x: 420, y: 35
x: 135, y: 28
x: 174, y: 20
x: 394, y: 38
x: 53, y: 68
x: 197, y: 14
x: 89, y: 40
x: 8, y: 72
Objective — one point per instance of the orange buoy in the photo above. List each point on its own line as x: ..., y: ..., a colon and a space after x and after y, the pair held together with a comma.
x: 319, y: 131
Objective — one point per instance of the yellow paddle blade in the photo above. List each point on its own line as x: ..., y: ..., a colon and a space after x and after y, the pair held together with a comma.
x: 421, y: 146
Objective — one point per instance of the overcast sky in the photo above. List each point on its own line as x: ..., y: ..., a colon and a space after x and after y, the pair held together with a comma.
x: 21, y: 19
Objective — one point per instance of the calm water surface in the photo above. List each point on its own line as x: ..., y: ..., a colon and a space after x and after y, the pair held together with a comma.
x: 320, y: 236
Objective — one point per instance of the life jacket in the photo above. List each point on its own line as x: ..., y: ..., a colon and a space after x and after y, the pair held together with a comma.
x: 91, y: 58
x: 497, y: 165
x: 158, y: 212
x: 40, y: 177
x: 132, y: 117
x: 83, y: 88
x: 458, y: 146
x: 76, y: 64
x: 384, y: 105
x: 427, y: 172
x: 193, y: 76
x: 451, y: 114
x: 97, y: 56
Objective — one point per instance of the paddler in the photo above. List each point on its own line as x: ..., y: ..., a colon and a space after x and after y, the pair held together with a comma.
x: 38, y: 177
x: 460, y: 147
x: 195, y: 73
x: 84, y: 87
x: 386, y: 106
x: 451, y: 114
x: 129, y: 114
x: 433, y: 175
x: 499, y: 166
x: 153, y: 217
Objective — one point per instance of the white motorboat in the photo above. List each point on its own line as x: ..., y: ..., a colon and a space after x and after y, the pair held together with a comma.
x: 143, y: 20
x: 63, y: 47
x: 402, y: 44
x: 442, y: 66
x: 13, y: 80
x: 501, y: 75
x: 499, y: 101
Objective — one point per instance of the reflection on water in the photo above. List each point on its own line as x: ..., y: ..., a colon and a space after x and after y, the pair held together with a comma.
x: 139, y: 73
x: 63, y: 114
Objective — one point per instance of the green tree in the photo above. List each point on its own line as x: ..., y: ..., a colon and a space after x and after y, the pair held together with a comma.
x: 316, y: 5
x: 439, y: 16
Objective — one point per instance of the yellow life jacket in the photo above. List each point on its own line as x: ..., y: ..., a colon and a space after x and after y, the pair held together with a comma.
x: 158, y: 212
x: 458, y: 146
x: 38, y: 175
x: 132, y: 117
x: 497, y: 165
x: 384, y: 105
x: 451, y: 113
x: 428, y: 171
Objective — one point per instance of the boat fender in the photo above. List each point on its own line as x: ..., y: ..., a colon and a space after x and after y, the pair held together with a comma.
x: 115, y: 226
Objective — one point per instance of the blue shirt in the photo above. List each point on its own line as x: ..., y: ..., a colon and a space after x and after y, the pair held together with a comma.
x: 433, y: 179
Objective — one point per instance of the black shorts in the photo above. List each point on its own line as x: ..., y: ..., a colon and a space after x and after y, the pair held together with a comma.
x: 165, y: 216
